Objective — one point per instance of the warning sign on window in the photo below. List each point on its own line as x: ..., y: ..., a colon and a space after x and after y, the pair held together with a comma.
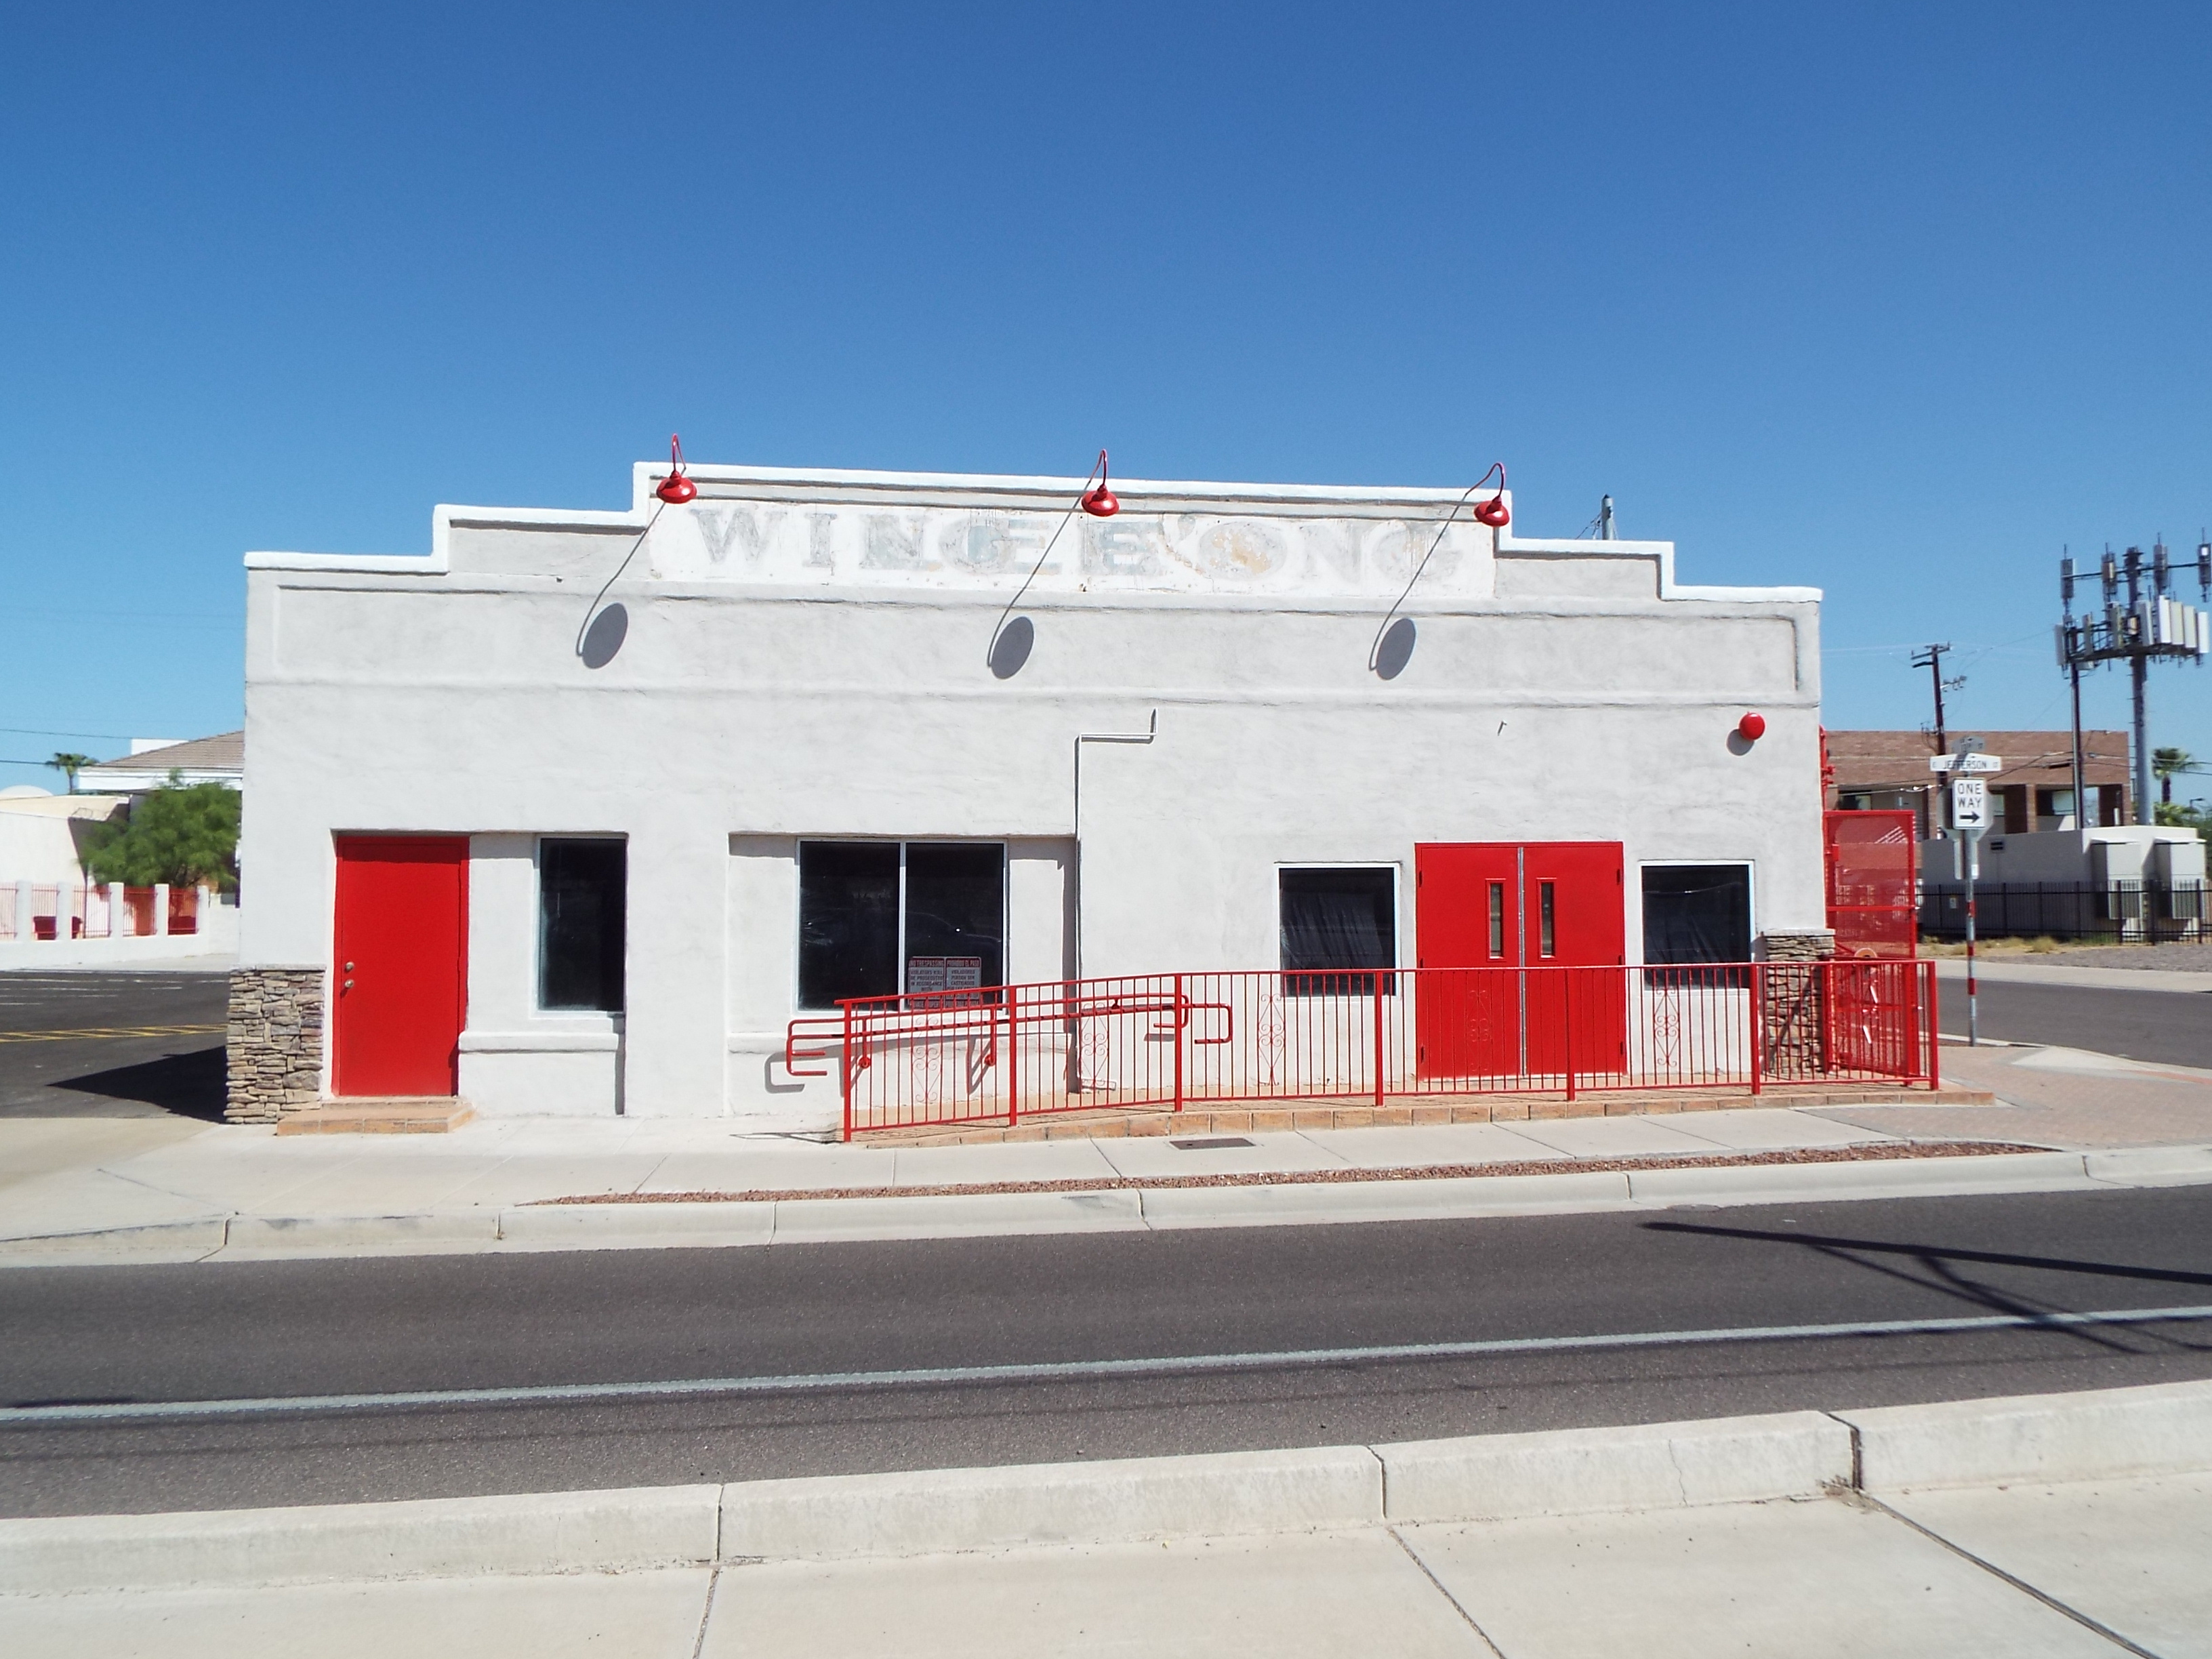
x: 925, y: 975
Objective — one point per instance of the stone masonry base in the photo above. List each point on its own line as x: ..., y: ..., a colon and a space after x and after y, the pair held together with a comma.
x: 276, y: 1042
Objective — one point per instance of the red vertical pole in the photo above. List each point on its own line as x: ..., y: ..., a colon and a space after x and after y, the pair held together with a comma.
x: 1378, y: 1042
x: 1760, y: 1027
x: 1181, y: 1015
x: 845, y: 1070
x: 1013, y: 1057
x: 1934, y: 1030
x: 1567, y: 1024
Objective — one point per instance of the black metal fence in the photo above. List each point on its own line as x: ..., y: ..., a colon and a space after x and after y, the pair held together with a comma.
x: 2137, y: 912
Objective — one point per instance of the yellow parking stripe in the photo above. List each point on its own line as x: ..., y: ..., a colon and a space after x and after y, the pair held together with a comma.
x: 98, y: 1031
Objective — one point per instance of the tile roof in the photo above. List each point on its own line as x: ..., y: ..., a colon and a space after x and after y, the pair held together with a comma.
x: 225, y: 751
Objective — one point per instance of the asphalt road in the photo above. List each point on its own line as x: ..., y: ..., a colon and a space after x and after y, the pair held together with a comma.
x: 238, y: 1331
x: 2173, y: 1028
x: 111, y: 1045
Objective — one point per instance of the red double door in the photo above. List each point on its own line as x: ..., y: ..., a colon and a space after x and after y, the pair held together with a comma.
x: 402, y: 939
x: 1520, y: 912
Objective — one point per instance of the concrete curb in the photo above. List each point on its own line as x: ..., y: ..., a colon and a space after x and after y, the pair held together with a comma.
x: 559, y: 1532
x: 2151, y: 1166
x: 2104, y: 1434
x: 1506, y: 1477
x: 827, y: 1220
x: 2097, y: 1435
x: 1467, y: 1197
x: 932, y: 1511
x: 166, y: 1240
x: 2012, y: 1172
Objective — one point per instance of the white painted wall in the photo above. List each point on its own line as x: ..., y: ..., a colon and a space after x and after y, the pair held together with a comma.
x: 826, y: 674
x: 42, y: 835
x: 2125, y: 853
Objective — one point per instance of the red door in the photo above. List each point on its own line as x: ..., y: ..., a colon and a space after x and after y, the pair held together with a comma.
x: 1495, y: 907
x: 403, y: 948
x: 1466, y: 915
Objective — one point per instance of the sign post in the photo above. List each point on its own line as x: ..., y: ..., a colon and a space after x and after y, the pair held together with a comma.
x: 1970, y: 820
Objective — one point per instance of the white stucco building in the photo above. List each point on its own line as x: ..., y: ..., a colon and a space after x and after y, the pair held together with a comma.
x: 800, y: 749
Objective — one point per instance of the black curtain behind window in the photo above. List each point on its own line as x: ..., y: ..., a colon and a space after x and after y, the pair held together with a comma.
x: 1337, y: 919
x: 581, y: 888
x: 1697, y: 913
x: 955, y: 907
x: 848, y: 921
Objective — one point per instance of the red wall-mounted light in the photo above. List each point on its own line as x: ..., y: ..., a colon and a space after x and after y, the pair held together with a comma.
x: 1099, y: 501
x: 1752, y: 727
x: 1493, y: 512
x: 677, y: 488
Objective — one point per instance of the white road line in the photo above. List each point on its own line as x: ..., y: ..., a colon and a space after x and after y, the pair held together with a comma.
x: 1062, y: 1370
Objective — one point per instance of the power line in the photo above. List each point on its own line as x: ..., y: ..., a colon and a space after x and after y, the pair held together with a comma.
x: 42, y: 732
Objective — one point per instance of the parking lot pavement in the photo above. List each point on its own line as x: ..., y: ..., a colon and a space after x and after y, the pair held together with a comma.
x: 111, y: 1045
x: 2091, y: 1569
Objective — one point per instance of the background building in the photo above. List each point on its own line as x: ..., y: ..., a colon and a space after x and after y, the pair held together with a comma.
x: 1888, y: 770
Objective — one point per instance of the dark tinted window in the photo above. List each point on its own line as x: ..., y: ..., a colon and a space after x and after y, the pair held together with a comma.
x: 580, y: 903
x: 849, y: 893
x: 1336, y: 920
x: 1696, y: 913
x: 956, y: 906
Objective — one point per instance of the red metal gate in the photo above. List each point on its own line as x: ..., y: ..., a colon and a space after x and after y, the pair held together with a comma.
x: 1873, y: 905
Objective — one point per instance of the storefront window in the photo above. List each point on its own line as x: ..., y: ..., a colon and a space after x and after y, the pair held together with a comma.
x: 879, y: 919
x: 1334, y: 919
x: 1697, y: 913
x: 581, y: 899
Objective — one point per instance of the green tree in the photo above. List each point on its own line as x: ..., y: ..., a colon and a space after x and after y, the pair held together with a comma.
x: 182, y: 833
x: 2163, y: 762
x: 69, y: 765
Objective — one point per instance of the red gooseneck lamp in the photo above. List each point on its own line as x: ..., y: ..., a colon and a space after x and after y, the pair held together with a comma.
x: 1099, y: 501
x: 1493, y: 512
x: 677, y: 488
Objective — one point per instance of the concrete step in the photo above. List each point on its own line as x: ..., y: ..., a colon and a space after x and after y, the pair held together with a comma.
x: 390, y: 1115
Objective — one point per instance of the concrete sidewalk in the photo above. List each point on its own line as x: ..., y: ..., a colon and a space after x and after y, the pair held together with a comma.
x: 168, y: 1190
x: 2045, y: 1525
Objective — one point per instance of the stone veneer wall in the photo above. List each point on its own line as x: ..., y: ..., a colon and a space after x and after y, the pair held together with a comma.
x: 1794, y: 1036
x: 276, y: 1042
x: 1812, y: 944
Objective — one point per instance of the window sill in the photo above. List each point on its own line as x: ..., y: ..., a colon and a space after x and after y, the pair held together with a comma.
x: 540, y: 1042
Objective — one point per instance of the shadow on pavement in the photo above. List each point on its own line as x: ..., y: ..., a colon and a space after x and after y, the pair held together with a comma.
x: 189, y: 1085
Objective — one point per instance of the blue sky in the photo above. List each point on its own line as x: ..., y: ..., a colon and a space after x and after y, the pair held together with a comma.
x: 1891, y: 300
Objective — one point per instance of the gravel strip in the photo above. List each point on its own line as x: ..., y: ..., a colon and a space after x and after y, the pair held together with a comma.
x: 1873, y: 1152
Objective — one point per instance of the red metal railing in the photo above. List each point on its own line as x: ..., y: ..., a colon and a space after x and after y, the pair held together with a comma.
x: 1170, y: 1041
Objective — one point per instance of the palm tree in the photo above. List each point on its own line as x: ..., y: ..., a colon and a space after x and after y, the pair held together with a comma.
x: 69, y: 765
x: 2167, y: 762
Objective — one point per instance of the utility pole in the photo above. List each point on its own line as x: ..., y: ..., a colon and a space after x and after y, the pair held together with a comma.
x: 2139, y: 672
x: 1932, y: 660
x: 2151, y: 625
x: 1604, y: 519
x: 2068, y: 639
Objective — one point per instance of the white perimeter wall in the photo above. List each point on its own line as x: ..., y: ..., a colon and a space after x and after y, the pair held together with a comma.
x: 1551, y: 693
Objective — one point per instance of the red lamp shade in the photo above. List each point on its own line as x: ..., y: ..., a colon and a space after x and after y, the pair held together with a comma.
x: 1493, y: 512
x: 677, y: 488
x: 1099, y: 501
x: 1752, y: 727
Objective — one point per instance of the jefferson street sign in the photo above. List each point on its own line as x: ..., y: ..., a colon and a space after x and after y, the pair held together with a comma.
x: 1982, y: 763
